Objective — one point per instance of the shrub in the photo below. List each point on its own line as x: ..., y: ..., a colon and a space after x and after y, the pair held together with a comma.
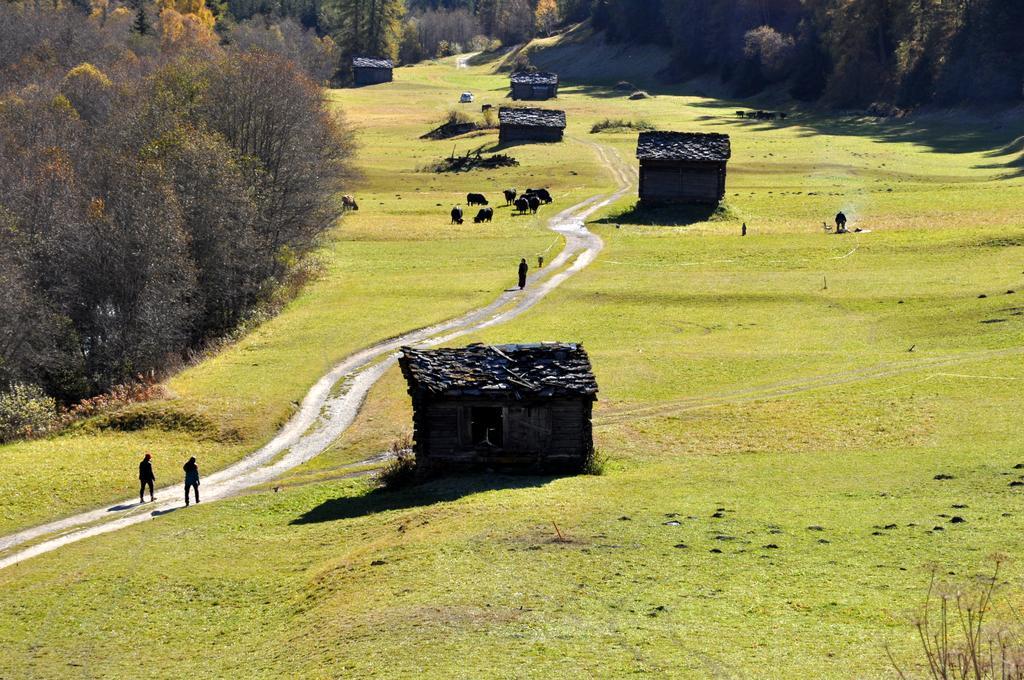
x: 522, y: 64
x: 456, y: 117
x: 620, y: 124
x: 400, y: 472
x: 639, y: 94
x: 26, y: 411
x: 481, y: 43
x: 141, y: 389
x: 595, y: 463
x: 625, y: 86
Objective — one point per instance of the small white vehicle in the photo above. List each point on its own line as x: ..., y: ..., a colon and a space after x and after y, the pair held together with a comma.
x: 466, y: 98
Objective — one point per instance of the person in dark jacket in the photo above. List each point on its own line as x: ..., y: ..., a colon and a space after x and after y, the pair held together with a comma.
x: 191, y: 478
x: 840, y: 223
x: 146, y: 478
x: 523, y: 268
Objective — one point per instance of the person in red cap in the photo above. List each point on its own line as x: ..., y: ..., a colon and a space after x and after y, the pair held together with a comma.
x: 146, y: 478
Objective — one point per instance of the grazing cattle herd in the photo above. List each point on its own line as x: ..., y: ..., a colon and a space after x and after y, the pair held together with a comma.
x: 527, y: 202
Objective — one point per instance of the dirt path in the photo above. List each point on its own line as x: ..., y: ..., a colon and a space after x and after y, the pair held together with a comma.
x: 332, y: 404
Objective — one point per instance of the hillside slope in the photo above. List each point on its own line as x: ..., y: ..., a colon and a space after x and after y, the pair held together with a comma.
x: 581, y: 55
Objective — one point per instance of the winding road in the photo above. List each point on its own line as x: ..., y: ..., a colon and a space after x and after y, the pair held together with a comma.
x: 325, y: 413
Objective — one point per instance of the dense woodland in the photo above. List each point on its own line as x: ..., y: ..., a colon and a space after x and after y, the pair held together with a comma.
x: 846, y: 53
x: 157, y: 188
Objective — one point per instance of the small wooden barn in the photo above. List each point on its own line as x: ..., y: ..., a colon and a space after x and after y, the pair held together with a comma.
x: 534, y: 86
x: 530, y: 125
x: 371, y: 71
x: 523, y: 408
x: 682, y: 167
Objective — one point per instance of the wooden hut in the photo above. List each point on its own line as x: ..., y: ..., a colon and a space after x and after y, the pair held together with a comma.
x: 371, y: 71
x: 534, y: 86
x: 530, y: 125
x: 520, y: 408
x: 682, y: 167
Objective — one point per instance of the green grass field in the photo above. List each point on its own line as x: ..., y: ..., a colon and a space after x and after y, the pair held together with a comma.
x: 765, y: 379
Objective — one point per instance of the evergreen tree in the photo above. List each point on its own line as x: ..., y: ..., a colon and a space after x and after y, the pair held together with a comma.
x: 141, y: 24
x: 369, y: 27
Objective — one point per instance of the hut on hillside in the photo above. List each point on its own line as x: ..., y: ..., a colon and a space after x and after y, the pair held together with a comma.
x: 530, y: 125
x: 523, y: 408
x: 534, y: 86
x: 682, y: 167
x: 371, y: 71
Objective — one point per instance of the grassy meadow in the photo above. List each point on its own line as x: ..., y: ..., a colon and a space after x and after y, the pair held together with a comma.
x: 774, y: 411
x: 395, y: 265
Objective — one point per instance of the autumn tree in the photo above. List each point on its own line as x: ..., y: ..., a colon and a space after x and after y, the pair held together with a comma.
x: 546, y: 16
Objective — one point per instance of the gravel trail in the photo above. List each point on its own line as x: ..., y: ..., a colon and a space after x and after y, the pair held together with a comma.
x: 327, y: 409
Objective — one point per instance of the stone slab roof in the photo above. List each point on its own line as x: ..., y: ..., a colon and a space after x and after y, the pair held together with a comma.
x: 683, y: 146
x: 548, y: 369
x: 371, y: 62
x: 537, y: 78
x: 548, y: 118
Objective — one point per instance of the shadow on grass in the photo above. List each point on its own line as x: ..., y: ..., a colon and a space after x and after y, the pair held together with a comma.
x: 609, y: 91
x: 502, y: 146
x: 666, y: 215
x: 957, y: 131
x: 437, y: 491
x: 484, y: 58
x: 948, y: 132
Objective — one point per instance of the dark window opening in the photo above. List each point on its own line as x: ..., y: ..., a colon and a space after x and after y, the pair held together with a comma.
x: 487, y: 426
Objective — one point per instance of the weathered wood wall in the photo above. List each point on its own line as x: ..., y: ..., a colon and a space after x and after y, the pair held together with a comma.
x: 681, y: 182
x: 526, y: 91
x: 545, y: 436
x: 371, y: 76
x: 523, y: 133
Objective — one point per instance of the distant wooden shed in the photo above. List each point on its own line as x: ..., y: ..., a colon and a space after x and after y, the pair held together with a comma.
x: 682, y: 167
x: 510, y: 407
x: 530, y: 125
x: 371, y: 70
x: 534, y: 86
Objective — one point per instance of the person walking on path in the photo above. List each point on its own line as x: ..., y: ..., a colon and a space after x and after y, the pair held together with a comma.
x: 523, y: 268
x: 146, y: 478
x: 191, y: 478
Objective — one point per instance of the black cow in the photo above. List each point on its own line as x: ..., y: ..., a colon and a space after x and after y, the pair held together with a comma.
x: 534, y: 203
x: 741, y: 114
x: 476, y: 199
x: 484, y: 215
x: 542, y: 194
x: 456, y: 215
x: 782, y: 115
x: 522, y: 205
x: 510, y: 196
